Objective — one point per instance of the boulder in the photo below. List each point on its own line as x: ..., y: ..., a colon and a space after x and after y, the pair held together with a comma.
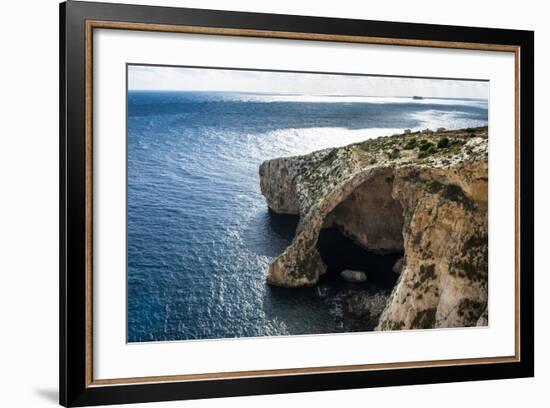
x: 398, y: 266
x: 354, y: 276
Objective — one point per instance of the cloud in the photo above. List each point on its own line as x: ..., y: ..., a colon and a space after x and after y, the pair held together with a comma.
x: 142, y: 77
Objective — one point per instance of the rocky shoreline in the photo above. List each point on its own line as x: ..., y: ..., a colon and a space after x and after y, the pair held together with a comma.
x: 423, y: 194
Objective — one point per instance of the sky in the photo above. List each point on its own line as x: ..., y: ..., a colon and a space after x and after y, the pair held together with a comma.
x: 142, y: 77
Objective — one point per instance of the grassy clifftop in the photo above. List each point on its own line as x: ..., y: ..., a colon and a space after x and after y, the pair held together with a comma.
x: 429, y: 148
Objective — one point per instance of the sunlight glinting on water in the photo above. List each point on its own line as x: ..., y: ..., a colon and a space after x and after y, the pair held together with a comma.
x: 200, y: 237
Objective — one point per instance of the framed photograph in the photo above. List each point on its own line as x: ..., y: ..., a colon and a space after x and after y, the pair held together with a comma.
x: 256, y: 203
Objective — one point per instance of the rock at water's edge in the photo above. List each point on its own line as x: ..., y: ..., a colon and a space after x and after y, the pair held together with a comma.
x: 398, y: 266
x: 354, y: 276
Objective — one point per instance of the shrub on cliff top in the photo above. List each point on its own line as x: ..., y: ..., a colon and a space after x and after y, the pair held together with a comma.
x: 411, y: 144
x: 394, y: 154
x: 425, y: 145
x: 443, y: 143
x: 427, y: 150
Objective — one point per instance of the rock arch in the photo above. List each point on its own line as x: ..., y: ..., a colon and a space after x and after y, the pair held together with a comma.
x: 434, y: 210
x: 362, y: 207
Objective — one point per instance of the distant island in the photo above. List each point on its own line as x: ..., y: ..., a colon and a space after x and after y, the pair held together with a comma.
x: 417, y: 97
x: 421, y: 194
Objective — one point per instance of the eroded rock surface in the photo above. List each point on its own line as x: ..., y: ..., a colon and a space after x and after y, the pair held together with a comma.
x: 424, y: 194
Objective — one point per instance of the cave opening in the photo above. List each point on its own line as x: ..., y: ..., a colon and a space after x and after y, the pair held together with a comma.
x: 339, y: 253
x: 364, y: 233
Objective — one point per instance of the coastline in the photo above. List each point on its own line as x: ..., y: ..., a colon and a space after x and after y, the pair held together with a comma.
x: 424, y: 193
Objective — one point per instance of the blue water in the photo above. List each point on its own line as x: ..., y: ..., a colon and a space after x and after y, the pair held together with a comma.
x: 200, y: 237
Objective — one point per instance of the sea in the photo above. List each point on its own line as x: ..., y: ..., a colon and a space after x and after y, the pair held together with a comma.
x: 200, y: 235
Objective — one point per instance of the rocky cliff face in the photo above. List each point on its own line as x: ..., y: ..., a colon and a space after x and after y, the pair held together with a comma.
x: 423, y: 194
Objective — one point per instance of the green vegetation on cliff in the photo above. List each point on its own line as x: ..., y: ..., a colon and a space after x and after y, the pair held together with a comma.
x: 431, y: 148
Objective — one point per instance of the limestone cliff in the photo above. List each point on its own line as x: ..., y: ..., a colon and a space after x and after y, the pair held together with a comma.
x: 421, y: 193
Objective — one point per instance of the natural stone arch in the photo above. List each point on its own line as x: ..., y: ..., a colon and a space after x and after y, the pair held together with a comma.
x: 301, y: 264
x: 444, y: 276
x: 371, y: 216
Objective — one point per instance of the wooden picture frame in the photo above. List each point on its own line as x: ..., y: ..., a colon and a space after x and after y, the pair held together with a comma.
x: 78, y: 20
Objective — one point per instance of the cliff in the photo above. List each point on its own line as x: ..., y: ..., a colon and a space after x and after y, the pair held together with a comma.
x: 424, y: 194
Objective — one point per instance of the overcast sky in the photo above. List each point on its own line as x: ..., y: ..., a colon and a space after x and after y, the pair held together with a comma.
x: 203, y: 79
